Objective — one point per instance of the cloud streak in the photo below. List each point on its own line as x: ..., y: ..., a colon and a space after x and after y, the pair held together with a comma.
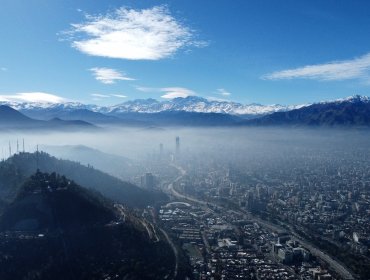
x: 109, y: 76
x: 148, y: 34
x: 357, y: 68
x: 146, y: 89
x: 33, y: 97
x: 169, y: 92
x: 98, y: 95
x: 119, y: 95
x: 223, y: 92
x: 174, y: 92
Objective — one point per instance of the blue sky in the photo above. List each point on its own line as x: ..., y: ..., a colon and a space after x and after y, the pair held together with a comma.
x: 111, y: 51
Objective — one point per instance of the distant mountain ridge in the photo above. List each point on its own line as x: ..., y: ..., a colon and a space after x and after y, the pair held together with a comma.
x: 350, y: 99
x: 198, y: 105
x: 10, y: 118
x: 188, y: 104
x: 350, y: 111
x: 114, y: 165
x: 197, y: 111
x: 10, y: 115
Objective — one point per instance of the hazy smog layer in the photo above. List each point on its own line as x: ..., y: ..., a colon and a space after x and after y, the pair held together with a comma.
x: 312, y: 182
x: 228, y: 143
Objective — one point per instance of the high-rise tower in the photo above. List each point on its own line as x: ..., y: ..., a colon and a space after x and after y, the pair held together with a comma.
x: 161, y: 150
x: 177, y: 145
x: 148, y: 181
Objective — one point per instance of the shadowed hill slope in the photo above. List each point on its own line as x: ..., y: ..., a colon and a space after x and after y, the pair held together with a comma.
x: 15, y: 170
x: 50, y: 201
x: 55, y: 229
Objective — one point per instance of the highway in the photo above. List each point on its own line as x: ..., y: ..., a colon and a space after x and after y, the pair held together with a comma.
x: 174, y: 251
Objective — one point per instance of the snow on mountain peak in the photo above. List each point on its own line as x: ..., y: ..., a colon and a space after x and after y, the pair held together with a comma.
x: 196, y: 104
x: 188, y: 104
x: 352, y: 99
x: 357, y: 98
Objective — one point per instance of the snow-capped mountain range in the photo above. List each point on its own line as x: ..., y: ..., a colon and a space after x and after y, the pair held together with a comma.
x: 353, y: 111
x: 196, y: 111
x: 188, y: 104
x: 198, y: 104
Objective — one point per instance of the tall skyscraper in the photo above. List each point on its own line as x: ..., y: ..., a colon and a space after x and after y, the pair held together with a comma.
x: 177, y: 145
x: 148, y: 181
x: 161, y: 150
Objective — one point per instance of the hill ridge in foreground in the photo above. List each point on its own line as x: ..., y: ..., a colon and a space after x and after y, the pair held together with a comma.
x: 49, y: 202
x: 15, y: 170
x: 55, y: 229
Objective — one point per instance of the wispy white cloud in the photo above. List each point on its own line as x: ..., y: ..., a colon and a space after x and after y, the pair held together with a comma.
x: 3, y: 69
x: 98, y: 95
x: 213, y: 98
x: 108, y: 75
x: 223, y: 92
x: 39, y: 97
x: 119, y: 95
x: 174, y: 92
x: 147, y: 89
x: 357, y: 68
x: 148, y: 34
x: 169, y: 92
